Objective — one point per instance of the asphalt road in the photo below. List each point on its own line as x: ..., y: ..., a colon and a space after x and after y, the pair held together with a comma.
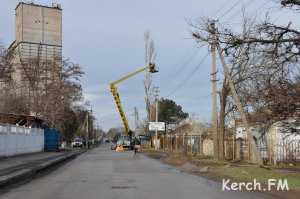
x: 102, y: 173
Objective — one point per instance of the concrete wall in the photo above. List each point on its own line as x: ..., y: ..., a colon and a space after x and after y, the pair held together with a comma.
x: 208, y: 147
x: 38, y: 24
x: 16, y: 140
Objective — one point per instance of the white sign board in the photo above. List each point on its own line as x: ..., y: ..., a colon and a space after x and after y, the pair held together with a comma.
x: 156, y: 126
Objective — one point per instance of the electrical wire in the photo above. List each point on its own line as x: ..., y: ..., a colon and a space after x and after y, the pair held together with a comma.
x: 233, y: 6
x: 230, y: 9
x: 262, y: 6
x: 179, y: 71
x: 247, y: 4
x: 181, y: 67
x: 189, y: 76
x: 221, y: 7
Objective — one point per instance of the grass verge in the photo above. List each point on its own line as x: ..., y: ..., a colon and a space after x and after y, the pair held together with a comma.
x: 218, y: 170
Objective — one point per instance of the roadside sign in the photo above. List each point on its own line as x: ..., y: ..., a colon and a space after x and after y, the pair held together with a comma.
x: 159, y: 126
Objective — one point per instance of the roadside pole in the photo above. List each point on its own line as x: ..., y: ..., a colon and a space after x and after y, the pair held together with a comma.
x: 156, y: 116
x: 214, y: 119
x: 87, y: 131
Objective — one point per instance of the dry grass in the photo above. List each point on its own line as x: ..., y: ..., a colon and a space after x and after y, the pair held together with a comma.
x: 234, y: 171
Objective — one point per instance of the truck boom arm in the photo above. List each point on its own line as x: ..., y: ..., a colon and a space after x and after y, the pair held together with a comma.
x: 115, y: 93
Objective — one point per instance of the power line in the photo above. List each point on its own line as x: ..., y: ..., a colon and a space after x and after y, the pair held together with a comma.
x: 262, y: 6
x: 180, y: 69
x: 186, y: 62
x: 221, y: 7
x: 189, y: 76
x: 244, y: 5
x: 230, y: 9
x: 192, y: 57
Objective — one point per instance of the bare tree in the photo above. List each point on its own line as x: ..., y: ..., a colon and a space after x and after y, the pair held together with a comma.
x: 264, y: 57
x: 5, y: 63
x: 149, y: 58
x: 61, y: 93
x: 290, y: 2
x: 239, y: 74
x: 47, y: 87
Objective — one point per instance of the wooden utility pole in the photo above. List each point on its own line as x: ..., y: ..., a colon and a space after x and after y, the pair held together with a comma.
x: 214, y: 118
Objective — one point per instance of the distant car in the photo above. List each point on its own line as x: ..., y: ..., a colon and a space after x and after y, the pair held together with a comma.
x: 124, y: 142
x: 78, y: 142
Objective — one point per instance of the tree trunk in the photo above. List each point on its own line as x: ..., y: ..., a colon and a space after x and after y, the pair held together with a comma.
x: 222, y: 115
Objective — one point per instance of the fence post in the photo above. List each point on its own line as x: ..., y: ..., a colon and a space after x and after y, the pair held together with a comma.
x: 201, y: 147
x: 180, y: 144
x: 233, y: 148
x: 183, y: 144
x: 171, y: 143
x: 191, y: 144
x: 198, y: 148
x: 176, y: 149
x: 163, y: 142
x: 167, y: 137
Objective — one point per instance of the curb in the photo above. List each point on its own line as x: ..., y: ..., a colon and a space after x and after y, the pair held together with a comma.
x: 28, y: 173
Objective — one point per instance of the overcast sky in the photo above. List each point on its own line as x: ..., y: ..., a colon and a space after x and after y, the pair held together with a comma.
x: 106, y: 38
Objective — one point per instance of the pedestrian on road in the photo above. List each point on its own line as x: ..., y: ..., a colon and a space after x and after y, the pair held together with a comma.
x: 135, y: 149
x: 136, y: 145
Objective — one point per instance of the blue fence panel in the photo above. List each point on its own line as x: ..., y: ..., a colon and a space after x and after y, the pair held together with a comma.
x: 52, y: 139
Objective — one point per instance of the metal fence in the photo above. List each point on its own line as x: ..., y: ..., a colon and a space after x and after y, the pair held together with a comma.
x: 234, y: 149
x: 281, y: 150
x: 188, y: 144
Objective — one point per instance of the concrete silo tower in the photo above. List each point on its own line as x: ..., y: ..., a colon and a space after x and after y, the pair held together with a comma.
x: 37, y: 50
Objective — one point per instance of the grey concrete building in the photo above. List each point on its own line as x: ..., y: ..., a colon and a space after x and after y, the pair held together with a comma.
x: 37, y: 48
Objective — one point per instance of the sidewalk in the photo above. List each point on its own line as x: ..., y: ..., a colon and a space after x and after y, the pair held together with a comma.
x: 19, y: 168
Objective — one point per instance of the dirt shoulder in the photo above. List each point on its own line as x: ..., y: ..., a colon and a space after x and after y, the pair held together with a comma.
x: 235, y: 171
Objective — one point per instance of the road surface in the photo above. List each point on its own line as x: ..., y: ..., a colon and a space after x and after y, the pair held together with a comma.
x: 102, y: 173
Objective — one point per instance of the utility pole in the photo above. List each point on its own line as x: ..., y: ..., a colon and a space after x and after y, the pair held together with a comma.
x: 87, y: 130
x: 156, y: 94
x: 136, y: 118
x: 214, y: 118
x: 91, y: 126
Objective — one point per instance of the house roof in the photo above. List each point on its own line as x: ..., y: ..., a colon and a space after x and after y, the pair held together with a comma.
x: 22, y: 120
